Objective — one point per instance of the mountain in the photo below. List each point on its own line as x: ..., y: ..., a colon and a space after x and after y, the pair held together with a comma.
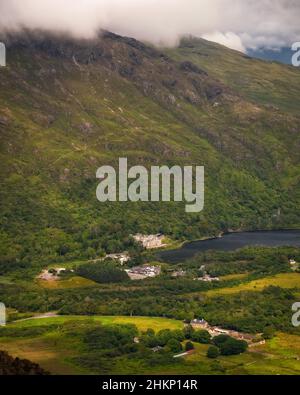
x: 266, y: 83
x: 283, y: 55
x: 70, y: 106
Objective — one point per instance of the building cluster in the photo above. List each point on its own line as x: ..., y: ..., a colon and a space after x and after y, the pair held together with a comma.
x: 122, y: 258
x: 207, y: 278
x: 179, y: 273
x: 51, y: 274
x: 294, y: 265
x: 150, y: 241
x: 142, y: 272
x: 216, y: 331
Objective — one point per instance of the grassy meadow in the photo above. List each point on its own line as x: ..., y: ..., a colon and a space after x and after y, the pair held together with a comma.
x: 283, y: 280
x: 56, y: 348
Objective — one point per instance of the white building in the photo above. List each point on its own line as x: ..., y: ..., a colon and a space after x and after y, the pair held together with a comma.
x: 122, y: 258
x: 142, y: 272
x: 150, y: 241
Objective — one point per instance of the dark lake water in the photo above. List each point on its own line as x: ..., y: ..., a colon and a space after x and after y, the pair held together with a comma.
x: 233, y: 241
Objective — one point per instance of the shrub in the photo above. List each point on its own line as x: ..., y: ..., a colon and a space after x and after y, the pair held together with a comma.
x: 201, y: 336
x: 188, y: 331
x: 102, y: 273
x: 213, y: 352
x: 189, y: 346
x: 234, y: 347
x: 174, y: 345
x: 268, y: 333
x: 230, y: 346
x: 221, y: 339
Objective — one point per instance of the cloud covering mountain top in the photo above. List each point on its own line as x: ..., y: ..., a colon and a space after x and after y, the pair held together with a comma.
x: 238, y: 24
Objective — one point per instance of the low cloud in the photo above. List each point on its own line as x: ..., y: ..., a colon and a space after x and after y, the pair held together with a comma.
x: 238, y: 24
x: 228, y: 39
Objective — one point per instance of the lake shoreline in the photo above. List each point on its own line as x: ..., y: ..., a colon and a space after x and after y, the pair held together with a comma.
x: 222, y: 234
x: 189, y: 243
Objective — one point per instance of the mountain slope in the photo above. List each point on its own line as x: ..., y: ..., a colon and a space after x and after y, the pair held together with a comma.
x: 68, y: 107
x: 268, y: 83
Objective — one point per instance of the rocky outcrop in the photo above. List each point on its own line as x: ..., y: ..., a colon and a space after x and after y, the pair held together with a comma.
x: 191, y: 68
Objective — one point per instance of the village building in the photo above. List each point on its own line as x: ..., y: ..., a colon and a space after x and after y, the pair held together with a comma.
x: 142, y: 272
x: 260, y: 343
x: 179, y: 273
x: 201, y: 324
x: 207, y: 278
x: 216, y: 331
x: 156, y: 349
x: 150, y: 241
x: 51, y: 274
x: 294, y: 265
x: 122, y: 258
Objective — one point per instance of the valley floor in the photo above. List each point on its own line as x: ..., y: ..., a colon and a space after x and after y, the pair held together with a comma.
x: 57, y: 350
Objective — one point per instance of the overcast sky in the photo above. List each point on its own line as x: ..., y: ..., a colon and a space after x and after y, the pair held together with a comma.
x: 239, y: 24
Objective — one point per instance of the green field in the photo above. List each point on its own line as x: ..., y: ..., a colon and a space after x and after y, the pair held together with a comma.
x: 142, y: 323
x: 280, y: 355
x: 56, y: 348
x: 284, y: 280
x: 53, y: 351
x: 73, y: 282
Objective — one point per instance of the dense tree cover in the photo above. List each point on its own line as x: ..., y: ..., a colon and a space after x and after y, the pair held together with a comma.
x: 65, y: 243
x: 188, y: 330
x: 175, y: 298
x: 118, y: 337
x: 103, y: 272
x: 162, y: 338
x: 201, y: 336
x: 230, y: 346
x: 252, y: 311
x: 17, y: 366
x: 174, y: 346
x: 270, y: 307
x: 104, y: 345
x: 259, y: 261
x: 172, y: 340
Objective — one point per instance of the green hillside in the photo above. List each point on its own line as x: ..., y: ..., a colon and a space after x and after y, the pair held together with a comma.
x: 68, y: 107
x: 268, y: 83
